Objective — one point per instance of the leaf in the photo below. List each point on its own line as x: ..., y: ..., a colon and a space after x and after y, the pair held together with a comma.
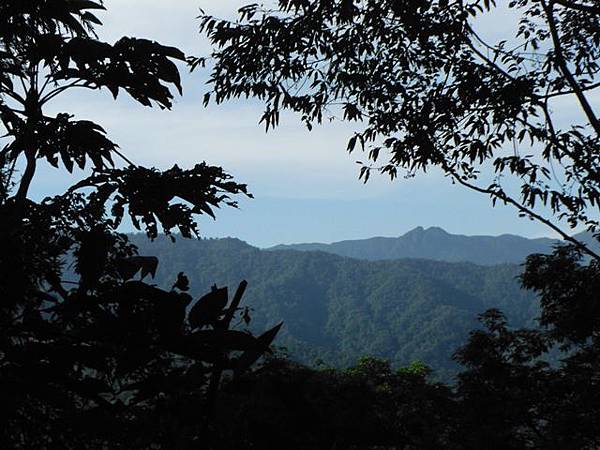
x: 244, y: 362
x: 78, y: 5
x: 351, y: 144
x: 246, y: 316
x: 172, y: 52
x: 128, y: 267
x: 235, y: 303
x: 89, y: 17
x: 207, y: 309
x: 153, y: 197
x: 182, y: 283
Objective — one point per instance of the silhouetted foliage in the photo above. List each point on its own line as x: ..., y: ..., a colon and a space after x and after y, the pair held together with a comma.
x: 517, y: 389
x: 428, y: 91
x: 510, y: 392
x: 98, y: 360
x: 367, y: 406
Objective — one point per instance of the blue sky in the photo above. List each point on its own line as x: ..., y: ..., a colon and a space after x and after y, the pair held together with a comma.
x: 305, y: 185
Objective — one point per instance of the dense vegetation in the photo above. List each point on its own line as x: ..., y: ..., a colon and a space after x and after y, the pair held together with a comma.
x: 99, y: 361
x: 109, y: 360
x: 368, y: 405
x: 337, y: 309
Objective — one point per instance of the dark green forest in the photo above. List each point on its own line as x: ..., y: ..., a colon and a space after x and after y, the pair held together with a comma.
x: 337, y: 309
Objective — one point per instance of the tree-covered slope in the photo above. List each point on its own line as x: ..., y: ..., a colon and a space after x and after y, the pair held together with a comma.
x: 338, y: 309
x: 435, y: 243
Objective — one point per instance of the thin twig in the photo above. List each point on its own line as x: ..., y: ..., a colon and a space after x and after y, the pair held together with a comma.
x: 506, y: 199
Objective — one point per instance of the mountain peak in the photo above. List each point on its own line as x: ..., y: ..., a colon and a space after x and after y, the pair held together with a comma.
x: 437, y: 244
x: 417, y: 231
x: 425, y: 232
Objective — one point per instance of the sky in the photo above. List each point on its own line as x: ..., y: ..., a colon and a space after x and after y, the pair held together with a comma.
x: 305, y: 184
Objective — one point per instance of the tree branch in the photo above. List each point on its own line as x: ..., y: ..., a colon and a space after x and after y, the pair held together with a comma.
x: 579, y: 7
x: 488, y: 61
x: 509, y: 200
x: 589, y: 87
x: 587, y: 108
x: 13, y: 95
x: 61, y: 89
x: 27, y: 177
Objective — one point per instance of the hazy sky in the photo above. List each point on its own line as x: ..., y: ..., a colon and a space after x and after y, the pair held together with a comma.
x: 305, y: 184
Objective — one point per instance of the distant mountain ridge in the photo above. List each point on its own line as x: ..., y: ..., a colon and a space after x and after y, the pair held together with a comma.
x: 436, y: 244
x: 336, y: 309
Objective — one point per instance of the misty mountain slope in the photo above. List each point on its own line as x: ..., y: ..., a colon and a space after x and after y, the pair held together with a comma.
x: 435, y: 243
x: 338, y: 309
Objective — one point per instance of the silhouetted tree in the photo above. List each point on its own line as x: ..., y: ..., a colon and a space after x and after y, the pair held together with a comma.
x: 367, y: 406
x: 99, y: 360
x: 427, y: 90
x: 509, y: 391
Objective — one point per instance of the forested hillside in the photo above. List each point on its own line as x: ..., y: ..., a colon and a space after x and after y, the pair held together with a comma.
x: 437, y: 244
x: 337, y: 309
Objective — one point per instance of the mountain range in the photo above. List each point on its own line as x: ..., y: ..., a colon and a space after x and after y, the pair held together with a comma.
x: 336, y: 309
x: 436, y: 244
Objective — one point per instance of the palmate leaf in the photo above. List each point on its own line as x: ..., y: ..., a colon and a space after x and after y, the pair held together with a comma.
x: 61, y: 139
x: 50, y: 15
x: 130, y: 266
x: 150, y: 196
x: 208, y: 308
x: 249, y: 357
x: 141, y: 67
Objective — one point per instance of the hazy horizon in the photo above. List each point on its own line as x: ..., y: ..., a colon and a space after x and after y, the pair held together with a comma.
x: 292, y: 243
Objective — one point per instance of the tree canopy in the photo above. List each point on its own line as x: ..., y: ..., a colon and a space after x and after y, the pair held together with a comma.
x: 428, y: 89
